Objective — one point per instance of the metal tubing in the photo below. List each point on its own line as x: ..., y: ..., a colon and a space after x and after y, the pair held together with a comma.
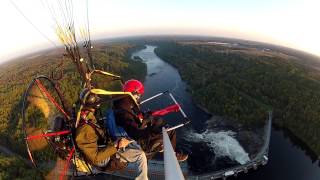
x: 174, y: 100
x: 174, y: 127
x: 152, y: 97
x: 172, y: 168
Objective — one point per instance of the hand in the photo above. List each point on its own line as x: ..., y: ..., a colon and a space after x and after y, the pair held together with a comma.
x: 158, y: 122
x: 145, y: 123
x: 123, y: 142
x: 149, y: 118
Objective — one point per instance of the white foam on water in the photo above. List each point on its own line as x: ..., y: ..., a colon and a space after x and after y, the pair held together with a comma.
x: 222, y: 143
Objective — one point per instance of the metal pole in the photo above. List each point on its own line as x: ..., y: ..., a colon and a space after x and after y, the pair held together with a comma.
x: 177, y: 126
x: 174, y: 100
x: 174, y: 127
x: 152, y: 97
x: 172, y: 168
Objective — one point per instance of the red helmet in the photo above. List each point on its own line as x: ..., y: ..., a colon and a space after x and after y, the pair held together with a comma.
x: 133, y: 86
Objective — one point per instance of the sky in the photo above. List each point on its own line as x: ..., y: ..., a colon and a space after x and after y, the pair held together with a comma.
x: 290, y: 23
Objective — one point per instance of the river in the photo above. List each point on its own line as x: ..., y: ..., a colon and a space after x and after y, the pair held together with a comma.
x: 210, y: 144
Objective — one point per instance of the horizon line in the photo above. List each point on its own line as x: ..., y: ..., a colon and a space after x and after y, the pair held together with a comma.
x: 137, y: 36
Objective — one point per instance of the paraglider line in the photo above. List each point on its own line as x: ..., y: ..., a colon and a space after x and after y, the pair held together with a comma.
x: 30, y: 22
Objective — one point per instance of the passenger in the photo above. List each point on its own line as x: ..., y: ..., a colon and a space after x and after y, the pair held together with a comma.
x: 147, y: 131
x: 90, y: 135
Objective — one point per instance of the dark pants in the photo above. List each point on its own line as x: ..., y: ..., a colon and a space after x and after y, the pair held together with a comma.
x: 154, y: 142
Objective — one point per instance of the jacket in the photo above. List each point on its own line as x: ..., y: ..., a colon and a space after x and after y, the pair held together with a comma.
x: 126, y: 117
x: 88, y: 137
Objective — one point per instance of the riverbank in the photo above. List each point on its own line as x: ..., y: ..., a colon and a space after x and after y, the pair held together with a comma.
x: 288, y: 159
x: 244, y: 87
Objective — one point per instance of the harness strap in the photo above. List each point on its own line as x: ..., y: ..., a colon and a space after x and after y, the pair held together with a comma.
x: 94, y: 126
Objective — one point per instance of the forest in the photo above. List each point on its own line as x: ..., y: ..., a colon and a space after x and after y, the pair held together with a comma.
x: 243, y: 84
x: 15, y: 76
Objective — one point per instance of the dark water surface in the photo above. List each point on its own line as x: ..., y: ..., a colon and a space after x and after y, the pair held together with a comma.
x: 287, y: 160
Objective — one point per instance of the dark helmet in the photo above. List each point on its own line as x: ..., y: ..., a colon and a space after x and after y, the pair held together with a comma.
x: 92, y: 100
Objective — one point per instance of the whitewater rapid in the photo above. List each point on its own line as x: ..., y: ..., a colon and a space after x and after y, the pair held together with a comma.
x: 222, y: 143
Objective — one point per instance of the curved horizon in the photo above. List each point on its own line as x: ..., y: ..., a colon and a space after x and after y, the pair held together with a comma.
x: 41, y: 48
x: 288, y: 23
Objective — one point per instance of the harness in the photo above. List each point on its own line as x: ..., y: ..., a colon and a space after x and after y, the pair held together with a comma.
x: 95, y: 126
x: 114, y: 163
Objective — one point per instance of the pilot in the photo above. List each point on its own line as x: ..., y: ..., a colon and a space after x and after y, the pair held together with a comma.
x: 114, y: 155
x: 146, y: 130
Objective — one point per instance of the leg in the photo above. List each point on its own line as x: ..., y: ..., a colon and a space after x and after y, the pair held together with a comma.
x: 137, y: 157
x: 173, y: 138
x: 157, y: 138
x: 156, y: 134
x: 153, y: 142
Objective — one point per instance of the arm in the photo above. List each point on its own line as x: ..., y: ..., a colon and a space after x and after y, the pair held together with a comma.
x: 131, y: 126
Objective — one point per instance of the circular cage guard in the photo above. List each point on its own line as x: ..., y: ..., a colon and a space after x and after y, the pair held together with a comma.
x: 47, y: 133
